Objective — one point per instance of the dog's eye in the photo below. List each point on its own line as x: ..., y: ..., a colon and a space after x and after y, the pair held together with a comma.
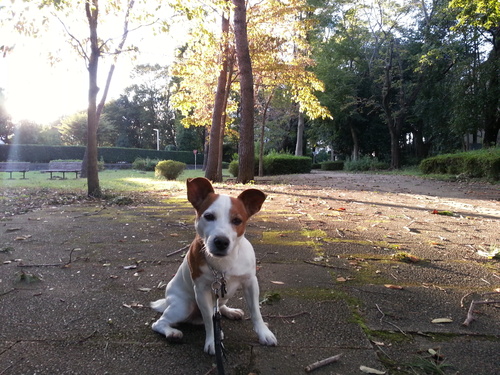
x: 236, y: 221
x: 209, y: 217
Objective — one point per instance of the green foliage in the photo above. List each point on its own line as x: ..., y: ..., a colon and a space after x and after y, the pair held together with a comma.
x: 482, y: 163
x: 44, y: 154
x: 234, y: 168
x: 332, y: 165
x: 365, y: 163
x: 169, y: 169
x: 276, y: 163
x: 145, y: 164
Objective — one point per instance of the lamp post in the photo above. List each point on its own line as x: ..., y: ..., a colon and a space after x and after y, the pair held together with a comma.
x: 157, y: 139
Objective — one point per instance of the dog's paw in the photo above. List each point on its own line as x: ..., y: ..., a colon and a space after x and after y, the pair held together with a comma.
x: 266, y: 337
x: 210, y: 347
x: 230, y: 313
x: 170, y: 333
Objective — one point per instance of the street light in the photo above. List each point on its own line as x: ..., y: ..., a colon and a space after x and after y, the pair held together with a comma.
x: 157, y: 139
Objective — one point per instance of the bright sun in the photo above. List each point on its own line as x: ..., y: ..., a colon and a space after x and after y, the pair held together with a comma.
x: 36, y: 91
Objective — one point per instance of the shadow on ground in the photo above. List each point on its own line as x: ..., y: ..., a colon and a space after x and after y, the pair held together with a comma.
x: 76, y: 280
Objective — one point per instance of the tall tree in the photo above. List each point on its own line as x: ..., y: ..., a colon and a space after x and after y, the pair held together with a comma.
x: 91, y: 47
x: 246, y: 149
x: 485, y: 16
x: 213, y: 169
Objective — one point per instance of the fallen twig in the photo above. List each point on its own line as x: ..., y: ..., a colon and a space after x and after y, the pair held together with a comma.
x: 470, y: 313
x: 324, y: 362
x: 324, y: 265
x: 287, y: 316
x: 385, y: 321
x: 49, y: 265
x: 178, y: 251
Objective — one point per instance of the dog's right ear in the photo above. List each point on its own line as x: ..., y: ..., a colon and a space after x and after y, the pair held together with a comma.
x: 197, y: 190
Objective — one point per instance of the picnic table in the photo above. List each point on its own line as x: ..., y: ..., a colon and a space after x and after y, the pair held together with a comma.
x: 15, y: 166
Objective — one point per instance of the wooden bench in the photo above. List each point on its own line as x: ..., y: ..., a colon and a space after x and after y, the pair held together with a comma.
x: 64, y: 167
x: 15, y: 166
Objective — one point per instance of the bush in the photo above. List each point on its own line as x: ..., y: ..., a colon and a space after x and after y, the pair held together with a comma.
x: 481, y: 163
x: 233, y: 168
x: 169, y: 169
x: 275, y: 163
x: 366, y: 163
x: 332, y: 165
x: 146, y: 164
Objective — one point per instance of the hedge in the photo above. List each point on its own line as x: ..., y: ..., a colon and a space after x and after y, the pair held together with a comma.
x: 332, y: 165
x: 481, y: 163
x: 44, y: 154
x: 275, y: 164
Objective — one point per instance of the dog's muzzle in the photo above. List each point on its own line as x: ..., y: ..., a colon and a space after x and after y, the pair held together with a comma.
x: 220, y: 245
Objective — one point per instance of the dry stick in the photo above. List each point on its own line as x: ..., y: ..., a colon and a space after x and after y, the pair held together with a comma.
x: 385, y: 321
x: 49, y: 265
x: 178, y: 251
x: 470, y: 314
x: 324, y: 362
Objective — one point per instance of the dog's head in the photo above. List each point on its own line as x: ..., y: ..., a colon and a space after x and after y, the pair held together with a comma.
x: 221, y: 219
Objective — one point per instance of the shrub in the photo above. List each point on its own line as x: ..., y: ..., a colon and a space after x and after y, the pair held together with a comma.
x: 145, y: 164
x: 233, y: 168
x: 366, y: 163
x: 276, y: 163
x: 332, y: 165
x: 169, y: 169
x: 480, y: 163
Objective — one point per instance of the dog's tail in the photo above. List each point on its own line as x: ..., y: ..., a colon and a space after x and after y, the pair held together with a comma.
x: 159, y: 305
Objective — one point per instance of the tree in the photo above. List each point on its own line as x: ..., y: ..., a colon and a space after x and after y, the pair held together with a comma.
x: 485, y: 16
x: 26, y: 133
x: 73, y: 130
x: 6, y: 125
x: 274, y: 31
x: 92, y: 48
x: 246, y: 151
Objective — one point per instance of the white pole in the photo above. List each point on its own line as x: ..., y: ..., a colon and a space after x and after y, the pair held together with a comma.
x: 157, y: 139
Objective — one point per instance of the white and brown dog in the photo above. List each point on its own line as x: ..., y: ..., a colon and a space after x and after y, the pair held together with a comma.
x: 219, y: 248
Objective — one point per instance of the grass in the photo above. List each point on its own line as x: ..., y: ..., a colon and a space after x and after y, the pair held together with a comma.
x: 118, y: 181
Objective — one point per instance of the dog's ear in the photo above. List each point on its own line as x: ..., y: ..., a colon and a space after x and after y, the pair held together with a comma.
x: 253, y: 200
x: 197, y: 190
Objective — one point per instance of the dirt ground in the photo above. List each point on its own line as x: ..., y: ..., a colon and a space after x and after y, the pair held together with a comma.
x: 360, y: 265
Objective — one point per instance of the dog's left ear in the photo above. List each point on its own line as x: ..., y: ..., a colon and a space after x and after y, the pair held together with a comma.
x: 252, y: 199
x: 197, y: 190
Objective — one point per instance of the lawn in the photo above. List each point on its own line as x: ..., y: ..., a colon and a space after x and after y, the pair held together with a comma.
x: 125, y: 180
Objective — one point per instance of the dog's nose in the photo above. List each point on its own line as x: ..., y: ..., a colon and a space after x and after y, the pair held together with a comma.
x: 221, y: 243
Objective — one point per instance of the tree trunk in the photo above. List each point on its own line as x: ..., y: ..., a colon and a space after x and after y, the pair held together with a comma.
x: 246, y: 149
x: 90, y: 165
x: 355, y: 143
x: 492, y: 105
x: 299, y: 145
x: 262, y: 131
x: 217, y: 128
x: 393, y: 125
x: 94, y: 189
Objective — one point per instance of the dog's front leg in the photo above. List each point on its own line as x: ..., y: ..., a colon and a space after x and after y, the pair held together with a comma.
x: 251, y: 291
x: 205, y: 301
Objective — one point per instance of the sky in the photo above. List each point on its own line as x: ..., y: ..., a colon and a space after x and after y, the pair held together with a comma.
x: 42, y: 92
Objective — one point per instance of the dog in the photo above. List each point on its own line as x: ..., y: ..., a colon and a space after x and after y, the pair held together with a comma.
x: 220, y: 251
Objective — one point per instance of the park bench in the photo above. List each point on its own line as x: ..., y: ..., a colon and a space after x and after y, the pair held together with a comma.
x: 15, y: 166
x: 64, y: 167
